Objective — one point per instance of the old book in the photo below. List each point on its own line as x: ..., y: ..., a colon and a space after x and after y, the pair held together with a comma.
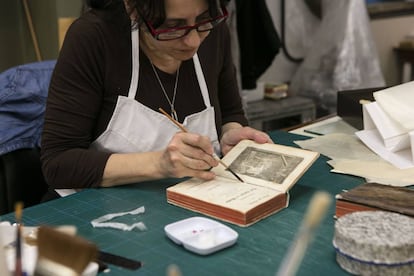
x: 373, y: 196
x: 276, y: 91
x: 268, y: 172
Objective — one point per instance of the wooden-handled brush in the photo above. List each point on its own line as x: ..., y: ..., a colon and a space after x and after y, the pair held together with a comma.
x: 18, y: 211
x: 173, y: 270
x: 316, y: 211
x: 180, y: 126
x: 60, y: 253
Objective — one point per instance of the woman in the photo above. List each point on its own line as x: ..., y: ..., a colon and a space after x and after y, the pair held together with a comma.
x: 102, y: 123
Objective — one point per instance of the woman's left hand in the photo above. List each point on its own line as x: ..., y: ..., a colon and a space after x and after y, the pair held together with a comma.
x: 233, y: 134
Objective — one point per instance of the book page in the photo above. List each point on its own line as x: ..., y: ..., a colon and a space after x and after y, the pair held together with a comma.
x: 268, y: 165
x: 225, y: 192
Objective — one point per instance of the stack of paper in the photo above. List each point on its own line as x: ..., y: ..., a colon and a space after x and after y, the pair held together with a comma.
x: 389, y: 125
x: 349, y: 155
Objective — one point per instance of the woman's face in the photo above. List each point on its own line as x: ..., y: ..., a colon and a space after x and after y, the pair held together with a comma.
x: 180, y: 13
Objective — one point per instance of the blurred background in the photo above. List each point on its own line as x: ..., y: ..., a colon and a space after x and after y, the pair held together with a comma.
x: 318, y: 47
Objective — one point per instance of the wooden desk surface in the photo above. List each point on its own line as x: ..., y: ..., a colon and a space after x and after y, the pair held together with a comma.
x: 258, y: 251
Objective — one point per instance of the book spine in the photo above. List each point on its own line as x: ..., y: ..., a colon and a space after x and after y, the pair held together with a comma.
x: 344, y: 207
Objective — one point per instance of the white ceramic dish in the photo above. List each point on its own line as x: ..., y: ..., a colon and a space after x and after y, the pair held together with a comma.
x: 201, y: 235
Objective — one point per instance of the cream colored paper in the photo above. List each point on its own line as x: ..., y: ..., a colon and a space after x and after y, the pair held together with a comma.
x: 378, y: 172
x: 351, y: 156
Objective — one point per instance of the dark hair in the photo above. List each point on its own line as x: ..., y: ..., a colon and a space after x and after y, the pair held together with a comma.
x: 153, y: 10
x: 98, y: 4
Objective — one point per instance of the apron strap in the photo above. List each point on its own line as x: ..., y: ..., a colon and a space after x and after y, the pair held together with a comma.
x: 135, y: 64
x: 201, y: 80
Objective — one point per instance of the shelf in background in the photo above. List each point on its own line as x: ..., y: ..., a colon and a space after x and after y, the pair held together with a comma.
x: 390, y: 9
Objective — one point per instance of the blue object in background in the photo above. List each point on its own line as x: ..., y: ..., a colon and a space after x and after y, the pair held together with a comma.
x: 23, y: 94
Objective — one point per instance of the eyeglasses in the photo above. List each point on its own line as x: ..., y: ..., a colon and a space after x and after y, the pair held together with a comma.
x: 179, y: 32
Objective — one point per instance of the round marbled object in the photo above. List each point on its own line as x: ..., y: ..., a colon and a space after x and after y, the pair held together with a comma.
x: 375, y: 243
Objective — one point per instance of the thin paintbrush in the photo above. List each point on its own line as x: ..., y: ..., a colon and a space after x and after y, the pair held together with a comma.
x: 214, y: 155
x: 316, y: 211
x: 18, y: 271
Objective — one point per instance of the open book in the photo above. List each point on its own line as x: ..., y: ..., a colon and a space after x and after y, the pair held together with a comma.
x: 268, y: 172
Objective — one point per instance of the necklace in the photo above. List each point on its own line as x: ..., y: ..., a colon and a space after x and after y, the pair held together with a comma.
x: 171, y: 102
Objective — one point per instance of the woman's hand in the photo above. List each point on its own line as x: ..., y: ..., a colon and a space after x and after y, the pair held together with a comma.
x: 234, y: 133
x: 188, y: 154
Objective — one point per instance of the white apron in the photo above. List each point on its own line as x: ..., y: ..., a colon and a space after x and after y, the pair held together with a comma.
x: 137, y: 128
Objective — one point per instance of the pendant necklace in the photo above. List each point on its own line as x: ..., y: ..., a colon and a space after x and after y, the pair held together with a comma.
x: 171, y: 102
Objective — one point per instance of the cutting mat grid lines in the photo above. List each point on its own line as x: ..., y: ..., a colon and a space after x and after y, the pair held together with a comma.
x: 259, y: 249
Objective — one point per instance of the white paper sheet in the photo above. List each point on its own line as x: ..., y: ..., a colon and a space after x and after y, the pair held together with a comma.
x: 392, y: 133
x: 389, y: 123
x: 105, y: 221
x: 65, y: 192
x: 398, y: 103
x: 402, y: 159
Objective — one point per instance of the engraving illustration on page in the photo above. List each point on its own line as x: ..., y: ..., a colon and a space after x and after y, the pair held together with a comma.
x: 266, y: 165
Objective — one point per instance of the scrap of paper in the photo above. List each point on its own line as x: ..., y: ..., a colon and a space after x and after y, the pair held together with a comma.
x: 103, y: 221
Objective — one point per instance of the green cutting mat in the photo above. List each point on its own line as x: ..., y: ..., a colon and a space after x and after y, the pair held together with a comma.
x: 258, y: 251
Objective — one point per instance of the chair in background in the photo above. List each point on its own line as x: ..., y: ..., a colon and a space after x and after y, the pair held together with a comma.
x: 21, y: 179
x: 23, y: 93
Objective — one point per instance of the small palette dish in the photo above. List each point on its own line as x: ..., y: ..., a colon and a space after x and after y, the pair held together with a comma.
x: 201, y: 235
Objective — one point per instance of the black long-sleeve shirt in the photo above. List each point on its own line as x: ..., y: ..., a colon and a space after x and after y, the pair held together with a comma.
x: 94, y: 68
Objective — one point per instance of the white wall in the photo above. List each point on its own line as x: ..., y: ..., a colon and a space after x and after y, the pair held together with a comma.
x: 388, y: 32
x: 282, y: 69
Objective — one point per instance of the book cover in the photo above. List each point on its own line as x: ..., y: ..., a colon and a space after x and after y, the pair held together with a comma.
x: 373, y: 196
x: 268, y: 172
